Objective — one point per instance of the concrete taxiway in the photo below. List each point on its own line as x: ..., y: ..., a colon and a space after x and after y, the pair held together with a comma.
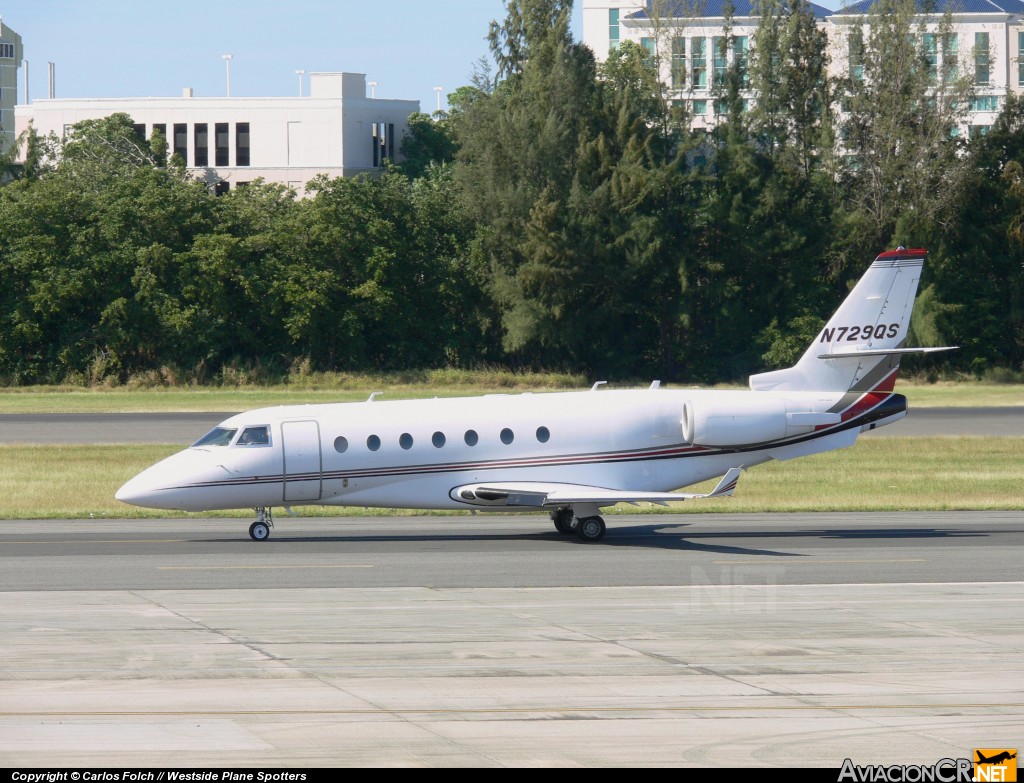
x: 718, y: 640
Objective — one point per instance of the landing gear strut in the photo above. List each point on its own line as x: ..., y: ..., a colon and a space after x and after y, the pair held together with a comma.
x: 260, y: 529
x: 565, y: 522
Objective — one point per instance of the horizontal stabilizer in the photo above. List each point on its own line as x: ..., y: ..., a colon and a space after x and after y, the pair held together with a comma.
x: 855, y: 353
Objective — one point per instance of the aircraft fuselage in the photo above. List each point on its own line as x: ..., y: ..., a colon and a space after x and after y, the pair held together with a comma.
x: 416, y: 453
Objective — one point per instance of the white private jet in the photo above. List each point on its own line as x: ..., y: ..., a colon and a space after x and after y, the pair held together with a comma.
x: 567, y: 452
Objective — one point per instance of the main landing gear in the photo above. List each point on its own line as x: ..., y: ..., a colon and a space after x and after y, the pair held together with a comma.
x: 565, y: 522
x: 590, y: 529
x: 260, y: 529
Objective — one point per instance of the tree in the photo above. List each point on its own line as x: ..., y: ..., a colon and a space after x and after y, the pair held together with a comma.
x: 428, y: 141
x: 904, y: 100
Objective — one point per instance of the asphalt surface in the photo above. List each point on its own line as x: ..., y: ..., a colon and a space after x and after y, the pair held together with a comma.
x: 487, y: 551
x: 186, y: 428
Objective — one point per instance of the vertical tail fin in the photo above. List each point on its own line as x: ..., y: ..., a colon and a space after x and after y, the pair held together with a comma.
x: 860, y: 347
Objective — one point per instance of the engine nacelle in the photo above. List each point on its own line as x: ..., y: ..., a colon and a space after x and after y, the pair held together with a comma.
x: 738, y: 422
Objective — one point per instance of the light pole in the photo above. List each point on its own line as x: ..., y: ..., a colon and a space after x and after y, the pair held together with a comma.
x: 438, y: 91
x: 300, y: 74
x: 227, y: 65
x: 373, y: 89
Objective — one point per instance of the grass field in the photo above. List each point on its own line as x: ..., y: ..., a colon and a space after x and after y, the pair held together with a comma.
x: 75, y: 482
x: 63, y: 399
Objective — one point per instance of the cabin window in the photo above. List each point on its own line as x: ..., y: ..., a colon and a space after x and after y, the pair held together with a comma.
x: 341, y: 444
x: 472, y: 438
x: 373, y: 443
x: 405, y: 441
x: 218, y: 436
x: 254, y: 436
x: 543, y: 434
x: 438, y: 440
x: 507, y: 436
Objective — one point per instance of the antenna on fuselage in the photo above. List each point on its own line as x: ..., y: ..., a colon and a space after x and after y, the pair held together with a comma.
x: 374, y: 396
x: 655, y: 384
x: 597, y: 385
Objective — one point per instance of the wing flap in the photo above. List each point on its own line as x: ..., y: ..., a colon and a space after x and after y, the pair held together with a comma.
x: 540, y: 494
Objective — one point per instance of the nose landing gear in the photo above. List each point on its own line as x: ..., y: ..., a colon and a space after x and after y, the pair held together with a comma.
x: 260, y: 529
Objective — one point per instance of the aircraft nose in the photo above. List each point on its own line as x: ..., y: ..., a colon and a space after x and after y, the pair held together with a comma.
x: 155, y: 486
x: 135, y: 493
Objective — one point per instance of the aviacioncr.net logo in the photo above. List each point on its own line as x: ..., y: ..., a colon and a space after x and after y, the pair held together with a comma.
x: 942, y: 771
x: 995, y: 765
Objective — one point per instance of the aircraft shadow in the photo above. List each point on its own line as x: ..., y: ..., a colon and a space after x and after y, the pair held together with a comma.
x: 662, y: 536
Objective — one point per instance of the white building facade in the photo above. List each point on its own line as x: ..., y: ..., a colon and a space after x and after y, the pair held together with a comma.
x: 11, y: 54
x: 986, y: 39
x: 337, y: 130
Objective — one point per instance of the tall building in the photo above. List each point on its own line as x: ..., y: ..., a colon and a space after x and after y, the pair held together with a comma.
x: 336, y: 130
x: 986, y: 39
x: 11, y: 54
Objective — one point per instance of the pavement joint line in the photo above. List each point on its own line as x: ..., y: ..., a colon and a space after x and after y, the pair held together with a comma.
x: 499, y: 710
x: 257, y: 568
x: 811, y: 560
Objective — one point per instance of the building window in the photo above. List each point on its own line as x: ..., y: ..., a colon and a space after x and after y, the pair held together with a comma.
x: 931, y: 56
x: 181, y: 142
x: 7, y: 51
x: 985, y: 103
x: 700, y: 107
x: 1020, y: 58
x: 140, y: 130
x: 740, y: 52
x: 383, y: 142
x: 613, y: 28
x: 221, y: 144
x: 647, y: 44
x: 202, y: 144
x: 856, y: 44
x: 161, y: 127
x: 221, y: 188
x: 698, y: 64
x: 950, y: 57
x: 977, y: 131
x: 981, y: 69
x: 242, y: 144
x: 678, y: 63
x: 720, y: 56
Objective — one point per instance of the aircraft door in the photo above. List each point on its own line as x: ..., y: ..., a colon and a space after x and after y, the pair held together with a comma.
x: 302, y: 467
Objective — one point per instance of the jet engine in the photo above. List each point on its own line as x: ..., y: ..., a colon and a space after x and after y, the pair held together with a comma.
x: 738, y: 422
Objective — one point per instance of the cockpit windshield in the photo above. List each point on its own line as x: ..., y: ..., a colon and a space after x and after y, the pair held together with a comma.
x: 254, y: 436
x: 218, y: 436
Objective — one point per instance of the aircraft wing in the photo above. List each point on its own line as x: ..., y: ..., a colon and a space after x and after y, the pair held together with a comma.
x: 539, y: 494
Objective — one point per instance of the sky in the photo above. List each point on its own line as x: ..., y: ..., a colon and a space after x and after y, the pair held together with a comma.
x: 140, y: 48
x: 135, y: 48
